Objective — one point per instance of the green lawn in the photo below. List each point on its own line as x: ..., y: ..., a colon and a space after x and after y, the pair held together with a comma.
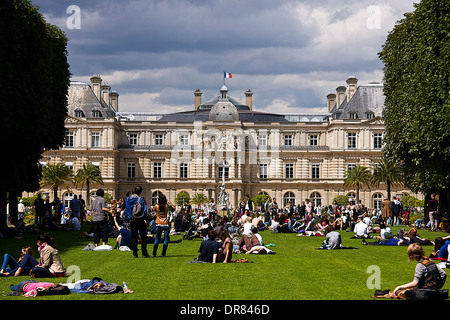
x: 296, y: 272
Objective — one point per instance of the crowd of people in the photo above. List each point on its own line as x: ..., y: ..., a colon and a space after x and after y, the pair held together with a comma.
x: 132, y: 222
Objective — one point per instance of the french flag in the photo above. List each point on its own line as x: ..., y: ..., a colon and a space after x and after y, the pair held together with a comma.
x: 227, y: 75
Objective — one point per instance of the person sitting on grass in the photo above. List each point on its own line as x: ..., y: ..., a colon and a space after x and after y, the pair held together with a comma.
x: 332, y: 239
x: 246, y: 243
x: 50, y: 264
x: 226, y: 246
x: 74, y: 223
x: 361, y: 230
x: 323, y: 224
x: 427, y: 274
x: 124, y: 238
x: 384, y: 231
x: 21, y: 267
x: 209, y: 248
x: 283, y: 226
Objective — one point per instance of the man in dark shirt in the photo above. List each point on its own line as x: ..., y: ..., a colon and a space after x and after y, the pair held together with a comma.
x: 432, y: 211
x: 39, y: 210
x: 75, y: 206
x: 209, y: 248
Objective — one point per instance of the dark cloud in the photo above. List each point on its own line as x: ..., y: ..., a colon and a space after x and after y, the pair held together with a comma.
x: 290, y: 53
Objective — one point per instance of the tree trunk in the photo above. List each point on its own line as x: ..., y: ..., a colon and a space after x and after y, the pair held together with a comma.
x: 426, y: 216
x: 443, y: 205
x: 55, y: 193
x: 357, y: 193
x: 13, y: 211
x: 3, y: 201
x: 88, y: 195
x: 388, y: 189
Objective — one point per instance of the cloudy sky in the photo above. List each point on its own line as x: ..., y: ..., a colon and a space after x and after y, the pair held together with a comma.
x: 291, y: 54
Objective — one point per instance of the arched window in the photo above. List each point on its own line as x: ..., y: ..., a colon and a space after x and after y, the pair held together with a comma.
x: 288, y: 197
x: 351, y: 196
x: 315, y: 198
x: 377, y: 200
x: 67, y: 197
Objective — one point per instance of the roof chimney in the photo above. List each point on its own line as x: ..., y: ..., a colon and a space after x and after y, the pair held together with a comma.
x: 351, y: 86
x: 198, y: 98
x: 96, y: 83
x: 114, y: 96
x: 106, y: 89
x: 331, y: 100
x: 248, y: 99
x: 340, y: 95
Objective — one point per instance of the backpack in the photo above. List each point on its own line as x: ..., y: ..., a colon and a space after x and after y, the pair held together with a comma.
x: 426, y: 294
x: 137, y: 210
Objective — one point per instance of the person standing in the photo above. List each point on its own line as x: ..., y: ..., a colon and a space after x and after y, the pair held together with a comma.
x: 136, y: 213
x: 39, y: 210
x: 386, y: 213
x: 75, y: 206
x: 82, y: 209
x: 20, y: 210
x: 308, y: 206
x: 395, y: 208
x: 212, y: 210
x: 433, y: 212
x: 99, y: 219
x: 58, y: 207
x: 162, y: 225
x: 274, y: 208
x: 249, y: 204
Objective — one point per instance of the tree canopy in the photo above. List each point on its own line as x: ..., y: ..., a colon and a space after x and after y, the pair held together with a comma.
x: 357, y: 177
x: 388, y: 172
x: 34, y: 80
x: 88, y: 175
x: 55, y: 176
x: 416, y: 59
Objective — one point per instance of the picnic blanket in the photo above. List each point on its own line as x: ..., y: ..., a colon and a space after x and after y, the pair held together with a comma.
x: 92, y: 247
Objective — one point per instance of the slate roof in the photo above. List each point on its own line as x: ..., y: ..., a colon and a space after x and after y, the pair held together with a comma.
x: 204, y: 109
x: 81, y: 97
x: 209, y: 104
x: 367, y: 99
x: 203, y: 115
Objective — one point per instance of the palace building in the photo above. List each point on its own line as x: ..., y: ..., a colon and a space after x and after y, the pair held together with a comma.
x: 291, y: 157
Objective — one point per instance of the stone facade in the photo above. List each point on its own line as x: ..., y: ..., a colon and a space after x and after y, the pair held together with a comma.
x: 290, y: 157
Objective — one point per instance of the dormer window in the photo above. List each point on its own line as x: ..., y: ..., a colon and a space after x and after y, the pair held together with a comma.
x: 79, y: 113
x: 370, y: 115
x: 353, y: 115
x: 96, y: 114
